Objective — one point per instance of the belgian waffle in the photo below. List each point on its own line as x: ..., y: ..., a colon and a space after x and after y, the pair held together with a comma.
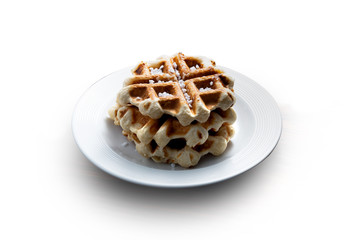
x: 188, y: 88
x: 168, y: 128
x: 179, y: 153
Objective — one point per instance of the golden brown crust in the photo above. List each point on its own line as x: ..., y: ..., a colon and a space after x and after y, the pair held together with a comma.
x: 185, y: 155
x: 164, y: 130
x: 194, y: 85
x: 177, y: 109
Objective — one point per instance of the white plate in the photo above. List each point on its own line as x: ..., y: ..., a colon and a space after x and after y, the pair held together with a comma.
x: 257, y: 131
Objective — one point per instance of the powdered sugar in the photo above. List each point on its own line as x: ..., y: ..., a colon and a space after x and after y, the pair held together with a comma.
x: 165, y: 94
x: 172, y: 69
x: 193, y: 68
x: 205, y: 89
x: 188, y: 99
x: 182, y: 86
x: 155, y: 71
x: 159, y: 81
x: 177, y: 73
x: 187, y: 96
x: 211, y: 83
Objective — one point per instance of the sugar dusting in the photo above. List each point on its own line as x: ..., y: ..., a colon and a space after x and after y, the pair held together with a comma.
x: 155, y: 71
x: 177, y: 73
x: 182, y: 86
x: 164, y: 94
x: 193, y: 68
x: 205, y: 89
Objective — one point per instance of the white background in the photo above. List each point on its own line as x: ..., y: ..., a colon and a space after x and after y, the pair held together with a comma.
x: 305, y: 53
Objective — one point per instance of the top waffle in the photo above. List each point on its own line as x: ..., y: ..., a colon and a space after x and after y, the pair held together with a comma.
x: 188, y: 88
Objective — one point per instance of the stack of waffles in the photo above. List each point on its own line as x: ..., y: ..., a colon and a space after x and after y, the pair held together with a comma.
x: 177, y: 109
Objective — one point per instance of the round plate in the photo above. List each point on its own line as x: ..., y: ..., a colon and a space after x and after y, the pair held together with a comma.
x: 257, y: 131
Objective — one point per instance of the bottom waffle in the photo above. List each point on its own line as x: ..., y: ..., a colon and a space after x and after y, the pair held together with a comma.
x: 176, y: 151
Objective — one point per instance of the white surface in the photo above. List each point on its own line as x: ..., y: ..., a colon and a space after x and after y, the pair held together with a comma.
x: 257, y: 131
x: 305, y: 53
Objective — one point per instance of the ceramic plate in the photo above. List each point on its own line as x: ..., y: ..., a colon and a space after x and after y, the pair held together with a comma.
x: 257, y: 131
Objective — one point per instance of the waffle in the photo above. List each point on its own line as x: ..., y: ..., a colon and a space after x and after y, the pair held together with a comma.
x: 180, y: 153
x: 168, y: 128
x: 187, y: 88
